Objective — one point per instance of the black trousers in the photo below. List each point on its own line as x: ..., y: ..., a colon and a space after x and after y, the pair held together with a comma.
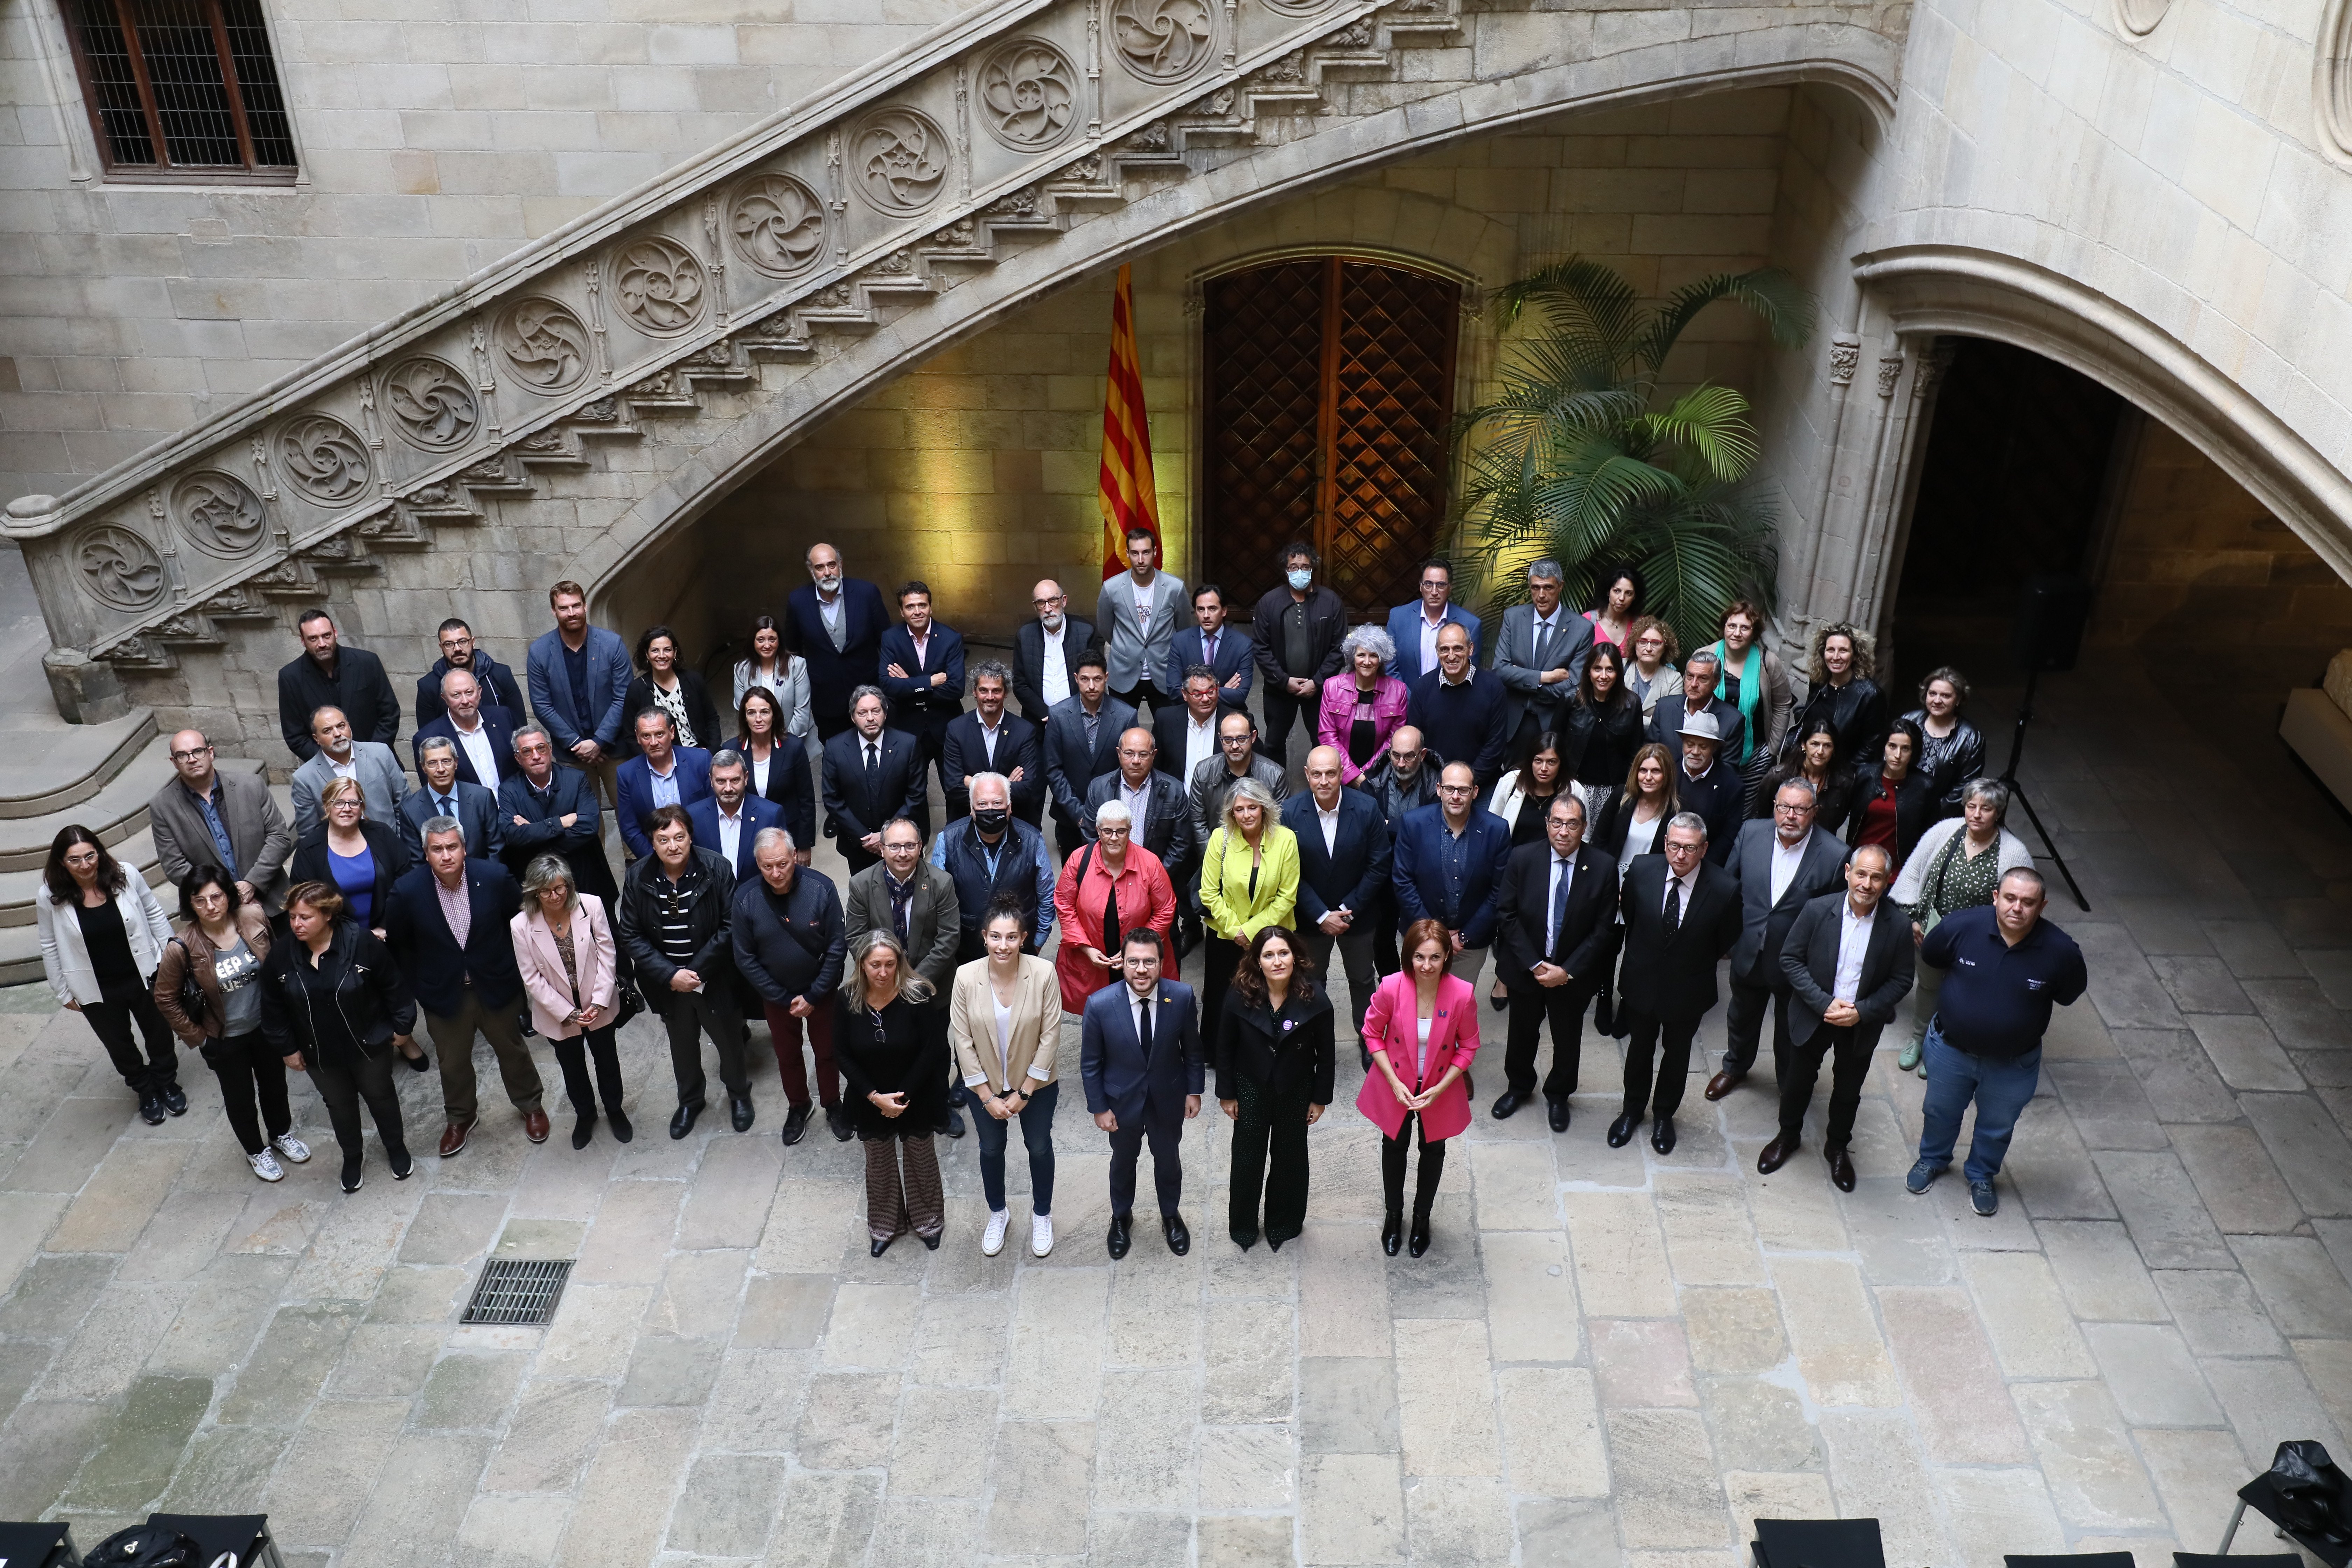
x: 253, y: 1088
x: 1143, y: 694
x: 1431, y: 1166
x: 1220, y: 956
x: 1671, y: 1064
x: 1743, y: 1026
x: 1849, y: 1050
x: 1163, y: 1126
x: 1269, y: 1156
x: 1532, y: 1006
x: 929, y: 727
x: 1386, y: 960
x: 1282, y: 710
x: 828, y: 725
x: 113, y: 1022
x: 573, y: 1057
x: 348, y: 1080
x: 691, y: 1015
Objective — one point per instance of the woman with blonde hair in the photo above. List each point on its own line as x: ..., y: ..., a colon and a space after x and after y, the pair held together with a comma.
x: 1249, y: 880
x: 564, y: 946
x: 1842, y: 691
x: 891, y: 1046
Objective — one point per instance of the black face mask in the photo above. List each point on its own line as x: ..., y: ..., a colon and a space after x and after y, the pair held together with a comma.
x: 992, y: 820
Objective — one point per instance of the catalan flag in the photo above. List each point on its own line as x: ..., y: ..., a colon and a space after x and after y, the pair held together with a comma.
x: 1127, y: 495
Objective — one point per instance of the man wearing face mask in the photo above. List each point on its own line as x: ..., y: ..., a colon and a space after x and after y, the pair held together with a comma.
x: 992, y: 855
x: 1045, y: 651
x: 836, y: 624
x: 1297, y: 627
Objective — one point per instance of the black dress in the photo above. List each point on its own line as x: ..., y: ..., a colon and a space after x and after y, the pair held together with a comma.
x: 907, y: 1054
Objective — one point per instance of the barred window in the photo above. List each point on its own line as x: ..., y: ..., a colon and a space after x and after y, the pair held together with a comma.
x: 182, y: 87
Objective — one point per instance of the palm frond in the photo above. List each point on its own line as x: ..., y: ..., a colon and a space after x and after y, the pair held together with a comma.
x: 1711, y: 421
x: 1773, y: 297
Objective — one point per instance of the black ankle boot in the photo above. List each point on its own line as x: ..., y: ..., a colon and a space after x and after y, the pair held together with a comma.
x: 585, y: 1130
x: 1420, y: 1243
x: 1392, y: 1231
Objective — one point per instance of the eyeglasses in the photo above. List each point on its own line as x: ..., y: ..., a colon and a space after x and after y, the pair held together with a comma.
x: 192, y: 755
x: 1049, y: 604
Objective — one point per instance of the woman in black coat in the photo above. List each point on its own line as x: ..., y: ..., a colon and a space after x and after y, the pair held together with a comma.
x: 892, y: 1044
x: 779, y: 765
x: 664, y: 682
x: 1601, y: 730
x: 333, y: 1005
x: 342, y: 834
x: 1274, y: 1079
x: 1843, y: 692
x: 1892, y: 805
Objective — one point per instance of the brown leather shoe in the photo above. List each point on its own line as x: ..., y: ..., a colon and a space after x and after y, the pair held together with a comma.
x: 1775, y: 1155
x: 1841, y: 1169
x: 1723, y: 1083
x: 453, y: 1138
x: 534, y: 1125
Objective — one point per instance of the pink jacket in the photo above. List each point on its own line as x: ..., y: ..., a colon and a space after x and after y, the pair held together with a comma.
x: 1388, y: 699
x: 541, y: 964
x: 1391, y: 1025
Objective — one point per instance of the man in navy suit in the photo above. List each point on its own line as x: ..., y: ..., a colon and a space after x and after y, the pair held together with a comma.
x: 458, y: 652
x: 443, y: 793
x: 1212, y: 643
x: 446, y: 919
x: 483, y: 732
x: 871, y: 774
x: 987, y: 739
x: 836, y: 624
x: 1343, y: 865
x: 663, y: 773
x: 579, y: 677
x: 922, y: 675
x: 547, y: 810
x: 1414, y: 627
x: 1081, y: 745
x: 1045, y: 651
x: 1781, y: 866
x: 1555, y: 931
x: 727, y: 822
x: 1141, y: 1063
x: 1449, y: 867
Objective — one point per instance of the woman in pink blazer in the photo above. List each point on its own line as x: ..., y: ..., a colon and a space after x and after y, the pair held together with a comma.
x: 1362, y: 707
x: 1421, y: 1029
x: 563, y: 945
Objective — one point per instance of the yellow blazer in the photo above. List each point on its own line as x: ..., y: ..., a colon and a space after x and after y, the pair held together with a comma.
x: 1232, y: 910
x: 1036, y: 1025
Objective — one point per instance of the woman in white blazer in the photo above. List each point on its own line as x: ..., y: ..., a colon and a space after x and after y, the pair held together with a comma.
x: 102, y: 934
x: 564, y: 946
x: 1004, y: 1024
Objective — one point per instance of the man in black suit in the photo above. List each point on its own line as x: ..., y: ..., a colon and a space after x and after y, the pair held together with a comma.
x: 447, y: 921
x: 482, y: 731
x: 1709, y: 787
x: 1211, y: 642
x: 1681, y: 914
x: 1781, y: 866
x: 922, y: 674
x: 836, y: 624
x: 1343, y: 873
x: 1045, y: 650
x: 547, y: 810
x: 1553, y: 941
x: 1184, y: 736
x: 1143, y: 1070
x: 987, y: 739
x: 329, y: 675
x: 871, y: 774
x: 441, y: 793
x: 1160, y: 807
x: 1082, y: 745
x: 1847, y: 962
x: 1701, y: 676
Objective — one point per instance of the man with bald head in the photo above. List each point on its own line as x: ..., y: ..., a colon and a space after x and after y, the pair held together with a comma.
x: 1160, y: 807
x: 836, y: 624
x: 375, y: 767
x: 1045, y: 651
x: 207, y: 817
x: 1846, y: 963
x: 482, y: 731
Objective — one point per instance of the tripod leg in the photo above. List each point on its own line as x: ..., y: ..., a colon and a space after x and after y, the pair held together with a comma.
x: 2047, y: 842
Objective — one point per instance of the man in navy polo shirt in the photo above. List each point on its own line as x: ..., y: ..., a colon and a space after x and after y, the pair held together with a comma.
x: 2006, y: 966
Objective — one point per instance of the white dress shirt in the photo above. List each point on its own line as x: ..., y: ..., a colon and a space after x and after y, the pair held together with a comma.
x: 1688, y: 884
x: 478, y: 752
x: 1854, y: 945
x: 1200, y: 741
x: 731, y: 834
x: 1329, y: 822
x: 1053, y: 678
x: 1135, y: 1013
x: 1786, y: 858
x: 988, y: 739
x: 1429, y: 630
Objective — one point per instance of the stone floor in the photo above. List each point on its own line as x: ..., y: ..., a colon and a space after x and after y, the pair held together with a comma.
x: 1607, y: 1357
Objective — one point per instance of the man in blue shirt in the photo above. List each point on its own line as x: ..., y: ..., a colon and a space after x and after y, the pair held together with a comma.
x: 1448, y: 867
x: 2006, y: 966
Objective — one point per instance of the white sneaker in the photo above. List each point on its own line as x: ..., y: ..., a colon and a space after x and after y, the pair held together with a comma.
x: 1041, y: 1234
x: 265, y: 1166
x: 291, y: 1147
x: 993, y: 1241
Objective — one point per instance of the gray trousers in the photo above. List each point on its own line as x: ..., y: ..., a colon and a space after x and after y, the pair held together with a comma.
x: 453, y: 1045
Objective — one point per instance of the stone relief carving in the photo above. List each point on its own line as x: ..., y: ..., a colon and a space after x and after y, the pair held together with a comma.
x: 545, y: 342
x: 778, y: 223
x: 2139, y: 18
x: 119, y: 568
x: 430, y: 402
x: 324, y: 458
x: 899, y: 160
x: 1028, y: 94
x: 659, y: 285
x: 1845, y: 358
x: 220, y: 513
x: 1163, y: 40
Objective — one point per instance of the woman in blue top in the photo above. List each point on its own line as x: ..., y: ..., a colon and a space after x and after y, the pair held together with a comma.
x: 359, y: 859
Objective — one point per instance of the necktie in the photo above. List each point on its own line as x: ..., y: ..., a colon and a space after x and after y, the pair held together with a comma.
x: 442, y: 808
x: 1146, y: 1004
x: 872, y: 772
x: 1559, y: 903
x: 1209, y: 650
x: 1543, y: 636
x: 1673, y: 905
x: 902, y: 899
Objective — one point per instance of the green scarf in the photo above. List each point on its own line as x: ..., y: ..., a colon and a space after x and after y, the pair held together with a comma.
x: 1751, y: 684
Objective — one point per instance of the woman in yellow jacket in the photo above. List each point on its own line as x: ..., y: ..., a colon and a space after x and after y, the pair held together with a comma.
x: 1249, y: 880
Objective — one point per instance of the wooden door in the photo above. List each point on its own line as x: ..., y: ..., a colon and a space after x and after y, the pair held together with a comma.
x: 1329, y: 387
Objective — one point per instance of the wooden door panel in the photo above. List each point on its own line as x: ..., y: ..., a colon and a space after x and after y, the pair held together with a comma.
x: 1391, y: 395
x: 1264, y: 332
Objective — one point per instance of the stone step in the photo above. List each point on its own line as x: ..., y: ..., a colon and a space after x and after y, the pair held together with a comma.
x: 115, y: 812
x: 48, y: 765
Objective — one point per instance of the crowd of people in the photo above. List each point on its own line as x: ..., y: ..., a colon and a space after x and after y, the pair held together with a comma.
x: 1602, y: 815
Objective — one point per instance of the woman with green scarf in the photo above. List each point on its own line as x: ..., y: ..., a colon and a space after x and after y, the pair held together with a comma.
x: 1758, y: 682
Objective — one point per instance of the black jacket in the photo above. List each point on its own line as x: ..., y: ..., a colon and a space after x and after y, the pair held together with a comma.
x: 1597, y: 744
x: 907, y: 1055
x: 1671, y: 975
x: 1615, y: 822
x: 1809, y: 967
x: 1588, y: 933
x: 443, y: 974
x: 1950, y: 762
x: 963, y: 749
x: 1327, y: 623
x: 1829, y: 803
x: 393, y: 858
x: 497, y: 686
x: 1763, y: 922
x: 1857, y: 710
x: 358, y: 688
x: 789, y: 788
x: 699, y: 712
x: 1719, y: 795
x: 1256, y: 1044
x: 350, y: 1004
x: 790, y: 947
x: 570, y: 793
x: 1169, y: 834
x: 1915, y: 808
x: 1029, y: 661
x: 711, y: 929
x: 851, y: 809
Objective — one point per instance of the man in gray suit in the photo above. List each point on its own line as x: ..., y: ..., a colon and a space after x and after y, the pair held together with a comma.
x: 1781, y: 866
x: 206, y: 817
x: 382, y: 782
x: 1541, y: 652
x: 1137, y: 617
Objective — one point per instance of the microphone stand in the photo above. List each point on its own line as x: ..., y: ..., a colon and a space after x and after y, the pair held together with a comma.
x: 2017, y: 789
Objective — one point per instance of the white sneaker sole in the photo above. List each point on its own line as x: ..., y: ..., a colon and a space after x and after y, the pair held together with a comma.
x: 1038, y: 1251
x: 989, y: 1248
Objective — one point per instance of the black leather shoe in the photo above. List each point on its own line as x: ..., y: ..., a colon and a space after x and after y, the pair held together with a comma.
x: 583, y: 1130
x: 931, y: 1242
x: 1179, y: 1240
x: 1392, y: 1232
x: 1622, y: 1130
x: 796, y: 1122
x: 1245, y: 1239
x: 175, y: 1100
x: 683, y: 1123
x: 1419, y: 1244
x: 1841, y: 1169
x: 1558, y: 1109
x: 881, y: 1246
x: 1775, y: 1155
x: 1511, y: 1100
x: 621, y: 1128
x: 738, y: 1106
x: 1121, y: 1235
x: 1662, y: 1136
x: 837, y: 1119
x: 151, y: 1108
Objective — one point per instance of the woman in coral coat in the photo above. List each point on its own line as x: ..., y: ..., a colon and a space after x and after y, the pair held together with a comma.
x: 1421, y: 1029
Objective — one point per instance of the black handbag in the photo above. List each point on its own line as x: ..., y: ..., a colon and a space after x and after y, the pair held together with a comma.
x: 192, y: 990
x: 2311, y: 1496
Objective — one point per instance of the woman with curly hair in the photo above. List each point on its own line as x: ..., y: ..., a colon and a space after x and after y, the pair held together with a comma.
x: 1841, y: 690
x: 1274, y: 1080
x: 1362, y: 706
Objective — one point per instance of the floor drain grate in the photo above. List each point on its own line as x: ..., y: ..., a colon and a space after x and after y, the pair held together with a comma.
x: 517, y: 1291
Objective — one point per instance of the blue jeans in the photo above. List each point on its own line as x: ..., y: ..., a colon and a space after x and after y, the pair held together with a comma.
x: 2001, y: 1090
x: 1036, y: 1119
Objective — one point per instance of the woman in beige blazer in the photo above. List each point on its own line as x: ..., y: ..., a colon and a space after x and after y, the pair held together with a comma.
x: 1004, y: 1020
x: 564, y: 946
